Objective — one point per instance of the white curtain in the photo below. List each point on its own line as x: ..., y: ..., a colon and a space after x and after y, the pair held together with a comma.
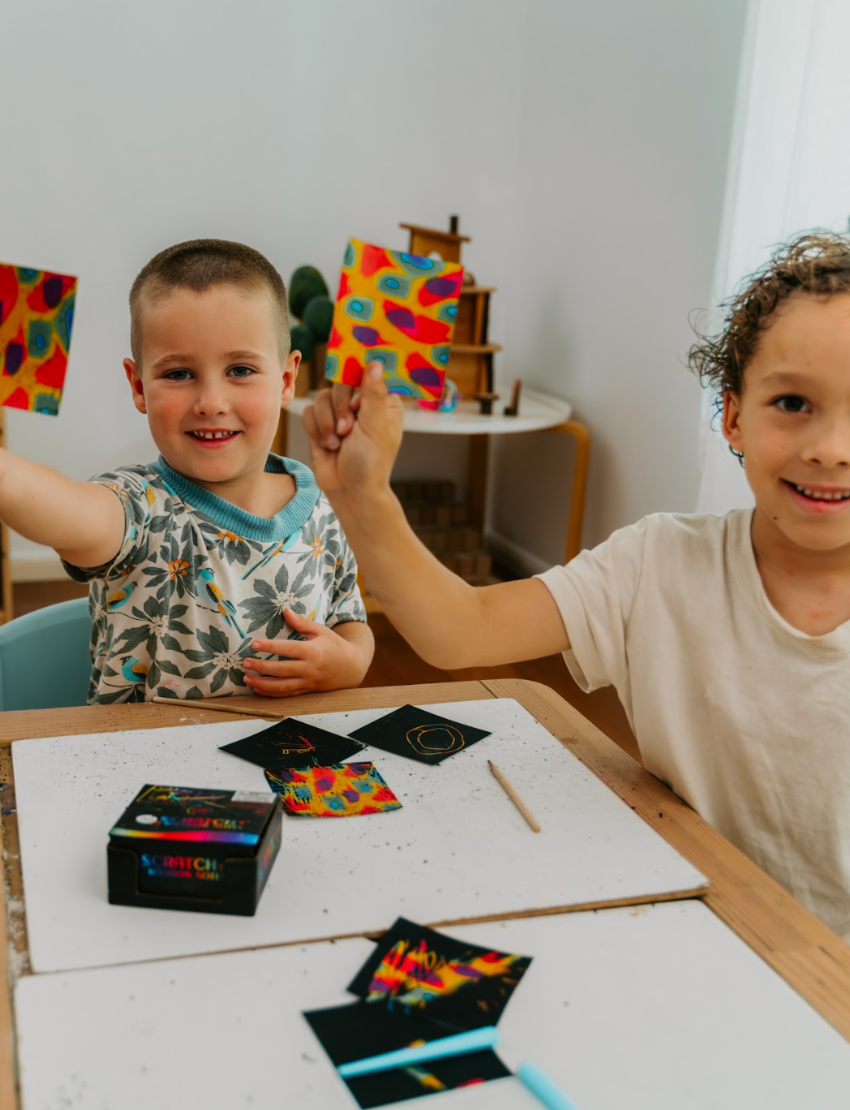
x: 789, y: 169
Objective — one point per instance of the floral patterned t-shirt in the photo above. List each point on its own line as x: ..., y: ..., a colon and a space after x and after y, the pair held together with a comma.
x: 197, y: 579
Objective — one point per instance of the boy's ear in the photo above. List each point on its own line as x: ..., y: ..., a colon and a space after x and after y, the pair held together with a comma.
x: 135, y: 380
x: 732, y: 421
x: 290, y: 373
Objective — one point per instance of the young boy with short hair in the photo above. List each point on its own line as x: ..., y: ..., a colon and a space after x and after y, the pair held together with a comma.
x: 726, y: 637
x: 220, y: 567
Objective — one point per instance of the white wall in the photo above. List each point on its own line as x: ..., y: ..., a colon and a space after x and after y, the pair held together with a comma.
x: 583, y: 144
x: 625, y: 126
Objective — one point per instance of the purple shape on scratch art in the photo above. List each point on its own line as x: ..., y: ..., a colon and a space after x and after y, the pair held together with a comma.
x: 441, y: 287
x: 52, y: 291
x: 14, y: 358
x: 369, y: 337
x: 426, y: 376
x: 400, y: 317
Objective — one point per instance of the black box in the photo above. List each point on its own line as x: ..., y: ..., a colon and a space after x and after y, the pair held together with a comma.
x: 181, y: 848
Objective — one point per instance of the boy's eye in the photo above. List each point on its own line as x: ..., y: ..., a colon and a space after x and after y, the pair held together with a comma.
x: 177, y: 375
x: 242, y: 371
x: 791, y: 402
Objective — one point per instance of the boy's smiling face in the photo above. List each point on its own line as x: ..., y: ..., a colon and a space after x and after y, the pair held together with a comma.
x: 212, y: 382
x: 792, y: 423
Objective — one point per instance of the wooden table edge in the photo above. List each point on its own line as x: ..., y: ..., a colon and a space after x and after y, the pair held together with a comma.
x: 812, y: 959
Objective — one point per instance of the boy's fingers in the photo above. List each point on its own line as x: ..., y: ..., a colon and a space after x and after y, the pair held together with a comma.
x: 373, y: 391
x: 274, y: 668
x: 302, y: 624
x: 378, y: 407
x: 290, y: 649
x: 320, y: 421
x: 341, y: 398
x: 279, y: 687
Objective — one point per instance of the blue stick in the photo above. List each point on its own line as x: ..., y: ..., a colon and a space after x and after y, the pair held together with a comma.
x: 474, y: 1041
x: 542, y: 1086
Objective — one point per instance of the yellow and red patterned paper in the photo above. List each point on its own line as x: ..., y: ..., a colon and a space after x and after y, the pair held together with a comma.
x: 396, y: 308
x: 338, y: 790
x: 36, y: 314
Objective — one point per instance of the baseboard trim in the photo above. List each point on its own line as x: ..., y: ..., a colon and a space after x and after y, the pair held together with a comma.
x: 37, y: 568
x: 515, y: 558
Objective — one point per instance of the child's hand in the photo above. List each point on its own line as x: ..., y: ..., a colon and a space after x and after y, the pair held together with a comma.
x: 354, y: 439
x: 324, y: 661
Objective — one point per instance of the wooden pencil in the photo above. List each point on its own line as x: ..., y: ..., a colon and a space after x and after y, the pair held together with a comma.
x: 514, y: 797
x: 219, y: 706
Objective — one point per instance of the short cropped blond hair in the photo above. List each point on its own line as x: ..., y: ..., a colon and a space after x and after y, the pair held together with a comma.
x: 200, y: 264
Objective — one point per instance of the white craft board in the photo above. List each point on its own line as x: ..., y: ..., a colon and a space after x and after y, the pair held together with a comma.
x: 646, y: 1008
x: 457, y: 849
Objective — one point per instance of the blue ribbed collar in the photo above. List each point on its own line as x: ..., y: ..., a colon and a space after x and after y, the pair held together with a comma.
x: 291, y: 518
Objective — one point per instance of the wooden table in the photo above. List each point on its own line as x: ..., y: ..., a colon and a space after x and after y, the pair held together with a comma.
x: 812, y: 959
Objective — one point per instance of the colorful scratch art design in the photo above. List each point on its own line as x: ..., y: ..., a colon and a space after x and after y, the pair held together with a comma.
x: 414, y: 975
x: 398, y: 309
x: 356, y: 1031
x: 419, y: 734
x: 340, y: 790
x: 435, y: 739
x: 291, y: 743
x: 417, y: 969
x: 417, y: 986
x: 36, y: 314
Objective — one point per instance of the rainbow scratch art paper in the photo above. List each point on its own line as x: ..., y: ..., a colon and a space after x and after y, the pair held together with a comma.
x: 358, y: 1030
x: 398, y: 309
x: 340, y: 790
x: 417, y: 968
x: 36, y: 314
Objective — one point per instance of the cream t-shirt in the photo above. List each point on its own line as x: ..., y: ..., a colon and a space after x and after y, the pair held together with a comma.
x: 744, y: 716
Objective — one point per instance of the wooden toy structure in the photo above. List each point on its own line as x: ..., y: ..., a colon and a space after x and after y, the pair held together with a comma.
x: 471, y: 359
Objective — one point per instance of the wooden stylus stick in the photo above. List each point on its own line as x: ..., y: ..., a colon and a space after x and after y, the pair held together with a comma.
x: 514, y: 797
x: 199, y: 703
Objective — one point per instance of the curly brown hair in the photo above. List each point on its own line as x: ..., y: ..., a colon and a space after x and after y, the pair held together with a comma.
x: 815, y: 262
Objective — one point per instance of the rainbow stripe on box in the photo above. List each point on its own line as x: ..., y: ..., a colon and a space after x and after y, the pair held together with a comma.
x: 215, y: 835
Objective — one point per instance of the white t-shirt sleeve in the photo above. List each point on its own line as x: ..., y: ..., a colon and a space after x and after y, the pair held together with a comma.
x: 595, y: 594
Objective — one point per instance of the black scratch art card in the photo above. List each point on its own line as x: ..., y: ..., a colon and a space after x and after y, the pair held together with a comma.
x: 419, y: 734
x: 291, y: 744
x: 414, y: 968
x: 364, y: 1029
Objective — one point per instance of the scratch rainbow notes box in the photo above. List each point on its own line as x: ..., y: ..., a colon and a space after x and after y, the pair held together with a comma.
x: 182, y: 848
x: 36, y: 314
x: 398, y: 309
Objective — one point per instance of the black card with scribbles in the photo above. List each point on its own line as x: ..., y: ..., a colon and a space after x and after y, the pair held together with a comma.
x: 419, y: 734
x: 290, y: 744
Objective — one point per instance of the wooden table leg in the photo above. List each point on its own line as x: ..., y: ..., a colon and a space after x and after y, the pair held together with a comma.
x: 479, y: 454
x: 579, y: 488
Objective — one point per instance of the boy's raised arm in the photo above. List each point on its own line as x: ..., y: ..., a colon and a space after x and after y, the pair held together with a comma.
x: 448, y: 622
x: 83, y: 521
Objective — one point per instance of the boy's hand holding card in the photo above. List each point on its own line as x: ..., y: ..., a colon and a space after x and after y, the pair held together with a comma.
x: 360, y: 461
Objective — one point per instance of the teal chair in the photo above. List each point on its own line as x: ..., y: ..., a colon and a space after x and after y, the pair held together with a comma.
x: 45, y: 661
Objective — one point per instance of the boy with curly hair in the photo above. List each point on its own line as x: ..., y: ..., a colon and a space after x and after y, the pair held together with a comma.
x: 220, y: 568
x: 727, y: 638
